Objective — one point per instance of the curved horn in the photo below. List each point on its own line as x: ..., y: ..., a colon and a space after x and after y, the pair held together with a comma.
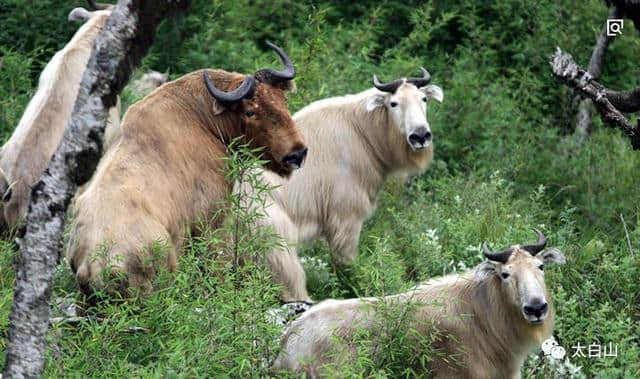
x: 96, y: 6
x: 270, y: 76
x: 500, y: 256
x: 421, y: 82
x: 538, y: 246
x: 245, y: 90
x: 390, y: 87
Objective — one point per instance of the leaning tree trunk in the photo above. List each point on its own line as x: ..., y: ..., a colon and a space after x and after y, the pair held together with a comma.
x: 121, y: 45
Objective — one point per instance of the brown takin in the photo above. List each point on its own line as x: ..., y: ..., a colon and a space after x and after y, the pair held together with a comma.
x: 483, y: 323
x: 356, y: 142
x: 164, y: 171
x: 27, y: 153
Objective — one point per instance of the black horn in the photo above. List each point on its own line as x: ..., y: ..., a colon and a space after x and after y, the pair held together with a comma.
x: 270, y: 76
x: 97, y: 6
x: 244, y: 91
x: 390, y: 87
x: 421, y: 82
x: 499, y: 256
x: 538, y: 246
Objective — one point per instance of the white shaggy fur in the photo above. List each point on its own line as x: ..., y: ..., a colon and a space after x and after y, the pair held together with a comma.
x: 27, y: 153
x: 355, y: 142
x: 476, y: 316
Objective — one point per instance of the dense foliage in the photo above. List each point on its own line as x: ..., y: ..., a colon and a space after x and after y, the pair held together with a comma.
x: 505, y: 162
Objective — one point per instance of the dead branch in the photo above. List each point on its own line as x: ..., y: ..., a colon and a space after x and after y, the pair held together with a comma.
x: 567, y: 71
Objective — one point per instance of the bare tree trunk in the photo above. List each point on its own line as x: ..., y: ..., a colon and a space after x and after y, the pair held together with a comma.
x: 585, y: 107
x: 116, y: 52
x: 566, y: 70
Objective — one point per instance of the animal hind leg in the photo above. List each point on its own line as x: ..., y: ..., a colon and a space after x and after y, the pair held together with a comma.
x: 343, y: 241
x: 343, y: 245
x: 112, y: 269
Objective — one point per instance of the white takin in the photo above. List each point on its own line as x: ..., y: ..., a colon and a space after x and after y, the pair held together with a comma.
x: 355, y: 143
x: 26, y: 155
x: 479, y: 324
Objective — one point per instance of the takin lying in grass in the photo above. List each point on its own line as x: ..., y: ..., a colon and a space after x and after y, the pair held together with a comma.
x: 27, y: 153
x: 484, y: 322
x: 356, y: 142
x: 163, y: 174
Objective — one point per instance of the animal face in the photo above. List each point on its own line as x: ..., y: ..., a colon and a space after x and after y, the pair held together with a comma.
x: 407, y: 109
x: 268, y: 124
x: 520, y: 268
x: 260, y: 103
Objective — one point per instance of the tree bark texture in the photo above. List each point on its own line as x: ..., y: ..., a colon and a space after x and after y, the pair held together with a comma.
x: 566, y: 70
x: 119, y: 48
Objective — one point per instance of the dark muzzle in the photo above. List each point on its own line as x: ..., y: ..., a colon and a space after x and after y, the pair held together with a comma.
x: 296, y: 159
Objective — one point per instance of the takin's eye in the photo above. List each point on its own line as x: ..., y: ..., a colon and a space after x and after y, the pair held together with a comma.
x: 393, y: 104
x: 505, y: 275
x: 541, y: 267
x: 424, y: 99
x: 249, y: 114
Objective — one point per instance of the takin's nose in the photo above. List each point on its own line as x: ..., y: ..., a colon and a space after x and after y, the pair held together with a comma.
x: 537, y: 308
x: 419, y: 137
x: 295, y: 159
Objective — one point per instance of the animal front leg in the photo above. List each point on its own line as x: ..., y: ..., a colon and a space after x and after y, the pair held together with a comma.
x: 288, y: 272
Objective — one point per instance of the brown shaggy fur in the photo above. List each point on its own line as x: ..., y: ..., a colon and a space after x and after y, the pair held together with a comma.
x: 164, y: 173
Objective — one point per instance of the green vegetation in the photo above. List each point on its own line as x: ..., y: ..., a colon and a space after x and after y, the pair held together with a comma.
x: 505, y: 162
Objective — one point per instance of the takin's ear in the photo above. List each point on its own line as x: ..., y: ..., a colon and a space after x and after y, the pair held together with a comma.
x: 79, y: 14
x: 218, y: 108
x: 486, y: 268
x: 289, y: 86
x: 433, y: 92
x: 552, y: 255
x: 286, y: 85
x: 376, y: 101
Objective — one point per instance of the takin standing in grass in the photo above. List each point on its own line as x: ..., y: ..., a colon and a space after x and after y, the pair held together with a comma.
x: 356, y: 142
x: 164, y: 171
x: 27, y: 153
x: 480, y: 324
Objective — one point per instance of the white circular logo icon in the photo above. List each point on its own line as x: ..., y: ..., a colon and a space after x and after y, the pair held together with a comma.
x: 547, y: 345
x: 558, y: 352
